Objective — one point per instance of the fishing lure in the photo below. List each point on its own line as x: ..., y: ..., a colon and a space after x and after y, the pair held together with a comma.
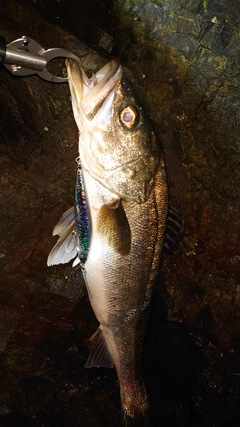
x: 82, y: 218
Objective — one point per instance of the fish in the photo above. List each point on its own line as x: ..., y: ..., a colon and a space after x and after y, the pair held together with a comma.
x: 117, y: 228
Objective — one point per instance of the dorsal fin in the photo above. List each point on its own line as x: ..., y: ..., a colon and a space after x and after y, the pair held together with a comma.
x: 114, y: 227
x: 174, y: 230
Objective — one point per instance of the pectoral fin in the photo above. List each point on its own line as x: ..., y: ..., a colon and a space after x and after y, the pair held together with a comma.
x: 114, y: 227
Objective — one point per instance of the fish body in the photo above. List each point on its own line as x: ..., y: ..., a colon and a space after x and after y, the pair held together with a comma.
x: 124, y: 179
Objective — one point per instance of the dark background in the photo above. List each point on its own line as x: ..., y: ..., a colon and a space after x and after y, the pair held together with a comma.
x: 183, y: 58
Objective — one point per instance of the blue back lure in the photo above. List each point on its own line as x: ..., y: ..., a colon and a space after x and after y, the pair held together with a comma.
x: 82, y: 218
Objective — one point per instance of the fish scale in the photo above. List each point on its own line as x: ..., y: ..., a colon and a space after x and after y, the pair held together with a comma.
x: 121, y: 214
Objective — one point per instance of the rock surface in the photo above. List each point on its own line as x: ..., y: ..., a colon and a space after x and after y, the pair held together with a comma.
x: 183, y: 57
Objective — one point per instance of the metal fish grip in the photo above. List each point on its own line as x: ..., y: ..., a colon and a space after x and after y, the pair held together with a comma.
x: 26, y: 57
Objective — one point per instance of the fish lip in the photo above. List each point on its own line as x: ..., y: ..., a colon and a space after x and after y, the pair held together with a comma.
x: 94, y: 97
x: 90, y: 94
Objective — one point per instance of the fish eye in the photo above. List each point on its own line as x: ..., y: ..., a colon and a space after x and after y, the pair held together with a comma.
x: 129, y: 116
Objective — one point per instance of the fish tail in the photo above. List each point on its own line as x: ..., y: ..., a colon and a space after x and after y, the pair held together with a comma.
x: 141, y: 420
x: 135, y: 405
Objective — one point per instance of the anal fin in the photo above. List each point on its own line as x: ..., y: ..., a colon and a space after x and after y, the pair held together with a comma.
x: 99, y: 356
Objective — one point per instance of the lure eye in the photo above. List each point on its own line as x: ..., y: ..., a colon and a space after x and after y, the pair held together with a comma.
x: 129, y: 117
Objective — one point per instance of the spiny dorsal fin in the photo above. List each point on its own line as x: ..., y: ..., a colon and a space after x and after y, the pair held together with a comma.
x: 174, y: 230
x: 99, y: 355
x: 114, y: 227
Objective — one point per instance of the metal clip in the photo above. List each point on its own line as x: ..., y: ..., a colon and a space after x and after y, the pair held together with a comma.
x: 25, y: 57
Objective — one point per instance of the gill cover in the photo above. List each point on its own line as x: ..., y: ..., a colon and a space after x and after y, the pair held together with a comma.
x: 117, y: 144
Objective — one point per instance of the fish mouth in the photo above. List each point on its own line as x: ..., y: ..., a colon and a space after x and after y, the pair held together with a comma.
x: 125, y: 169
x: 89, y: 94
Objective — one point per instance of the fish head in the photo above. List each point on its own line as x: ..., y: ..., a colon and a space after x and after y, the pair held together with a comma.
x: 117, y: 144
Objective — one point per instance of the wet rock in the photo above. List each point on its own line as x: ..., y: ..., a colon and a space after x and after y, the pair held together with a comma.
x: 39, y: 306
x: 184, y: 43
x: 184, y: 59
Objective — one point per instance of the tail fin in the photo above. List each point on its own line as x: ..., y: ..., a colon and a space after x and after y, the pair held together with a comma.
x: 139, y: 421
